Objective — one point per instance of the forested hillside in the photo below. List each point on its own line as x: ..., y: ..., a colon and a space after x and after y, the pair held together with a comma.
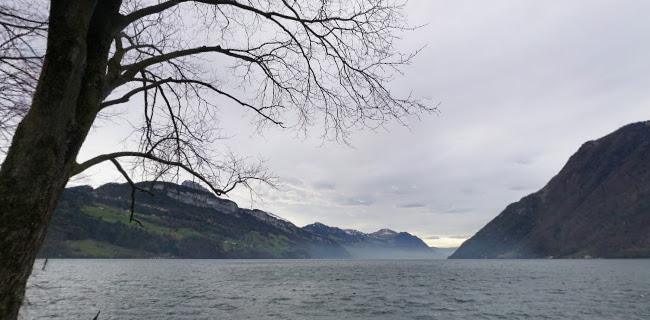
x: 177, y: 222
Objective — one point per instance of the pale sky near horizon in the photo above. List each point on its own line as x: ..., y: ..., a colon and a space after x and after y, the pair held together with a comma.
x: 522, y: 84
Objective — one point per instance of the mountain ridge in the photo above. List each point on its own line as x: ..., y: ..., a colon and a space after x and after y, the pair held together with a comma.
x: 380, y: 244
x: 598, y: 205
x: 180, y: 221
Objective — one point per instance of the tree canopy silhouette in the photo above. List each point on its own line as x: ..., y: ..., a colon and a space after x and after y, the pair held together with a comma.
x: 294, y: 63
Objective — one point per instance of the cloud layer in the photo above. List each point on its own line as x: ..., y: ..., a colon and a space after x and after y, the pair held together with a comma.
x: 522, y: 84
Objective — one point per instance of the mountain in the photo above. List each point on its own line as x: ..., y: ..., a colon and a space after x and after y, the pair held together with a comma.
x: 384, y: 243
x: 597, y: 206
x: 179, y: 221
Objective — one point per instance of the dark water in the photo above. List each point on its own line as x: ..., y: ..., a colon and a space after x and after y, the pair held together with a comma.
x: 340, y: 289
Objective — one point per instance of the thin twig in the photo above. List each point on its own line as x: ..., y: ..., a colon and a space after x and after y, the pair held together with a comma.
x: 133, y: 190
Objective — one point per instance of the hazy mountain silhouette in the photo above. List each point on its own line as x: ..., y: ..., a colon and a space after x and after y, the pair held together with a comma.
x: 383, y: 244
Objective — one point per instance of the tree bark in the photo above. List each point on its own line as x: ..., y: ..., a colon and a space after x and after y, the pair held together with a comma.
x: 45, y: 145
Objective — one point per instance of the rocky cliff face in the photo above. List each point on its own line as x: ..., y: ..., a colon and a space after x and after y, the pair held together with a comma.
x: 597, y: 206
x: 194, y: 194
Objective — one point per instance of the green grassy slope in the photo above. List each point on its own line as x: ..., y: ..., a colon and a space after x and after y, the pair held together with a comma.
x: 94, y: 223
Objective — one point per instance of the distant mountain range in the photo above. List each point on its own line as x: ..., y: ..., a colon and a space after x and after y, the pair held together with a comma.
x: 384, y: 243
x: 597, y: 206
x: 187, y: 221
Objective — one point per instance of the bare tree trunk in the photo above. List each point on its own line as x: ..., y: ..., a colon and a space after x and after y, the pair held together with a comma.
x: 43, y: 150
x: 75, y: 78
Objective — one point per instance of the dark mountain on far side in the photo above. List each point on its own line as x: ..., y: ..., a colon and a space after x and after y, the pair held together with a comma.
x: 597, y: 206
x: 382, y: 244
x: 180, y: 221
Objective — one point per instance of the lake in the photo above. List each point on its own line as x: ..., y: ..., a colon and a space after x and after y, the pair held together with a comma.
x: 339, y: 289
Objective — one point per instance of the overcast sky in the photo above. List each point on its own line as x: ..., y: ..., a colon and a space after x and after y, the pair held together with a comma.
x: 522, y: 84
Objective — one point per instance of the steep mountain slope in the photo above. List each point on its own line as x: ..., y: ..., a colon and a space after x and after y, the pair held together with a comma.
x: 179, y: 221
x: 384, y: 243
x: 597, y: 206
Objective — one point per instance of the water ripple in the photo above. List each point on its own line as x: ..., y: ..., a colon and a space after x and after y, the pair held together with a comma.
x: 340, y: 289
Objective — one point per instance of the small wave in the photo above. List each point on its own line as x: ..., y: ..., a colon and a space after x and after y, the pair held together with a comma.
x: 461, y: 300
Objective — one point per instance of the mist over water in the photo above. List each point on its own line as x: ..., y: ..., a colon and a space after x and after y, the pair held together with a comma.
x: 340, y: 289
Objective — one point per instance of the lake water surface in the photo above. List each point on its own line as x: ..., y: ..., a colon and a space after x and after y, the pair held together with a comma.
x: 339, y: 289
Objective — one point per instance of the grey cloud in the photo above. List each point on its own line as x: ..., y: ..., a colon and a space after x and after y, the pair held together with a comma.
x: 410, y: 205
x: 450, y: 208
x: 458, y: 210
x: 524, y: 161
x: 399, y: 189
x: 469, y: 191
x: 324, y: 185
x: 359, y: 201
x: 293, y: 181
x: 523, y: 85
x: 519, y: 188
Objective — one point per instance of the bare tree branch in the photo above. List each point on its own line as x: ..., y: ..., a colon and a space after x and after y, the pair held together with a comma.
x: 158, y: 84
x: 230, y: 185
x: 324, y: 63
x: 139, y: 14
x: 22, y: 37
x: 134, y: 188
x: 294, y: 64
x: 134, y: 69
